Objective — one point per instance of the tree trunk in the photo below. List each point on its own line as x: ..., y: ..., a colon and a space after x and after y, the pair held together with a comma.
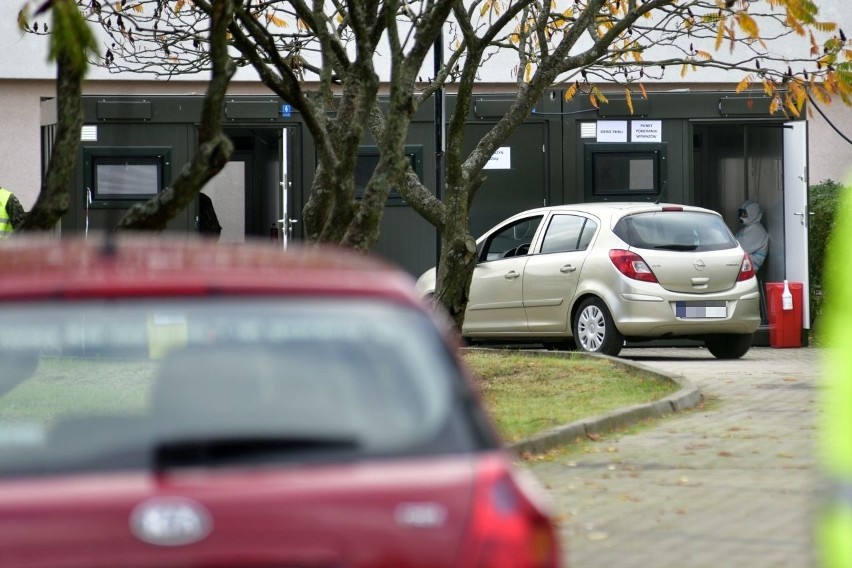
x: 214, y: 147
x: 53, y: 200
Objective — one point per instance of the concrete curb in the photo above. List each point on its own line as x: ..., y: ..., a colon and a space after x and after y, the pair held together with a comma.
x: 688, y: 396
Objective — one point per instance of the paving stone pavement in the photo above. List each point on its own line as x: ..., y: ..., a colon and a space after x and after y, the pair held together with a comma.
x: 728, y: 484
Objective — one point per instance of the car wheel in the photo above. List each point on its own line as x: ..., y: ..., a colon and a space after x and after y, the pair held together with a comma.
x: 729, y: 346
x: 594, y: 330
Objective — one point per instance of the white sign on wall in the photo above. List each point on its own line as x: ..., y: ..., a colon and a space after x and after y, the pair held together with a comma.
x: 501, y: 160
x: 612, y: 131
x: 646, y: 131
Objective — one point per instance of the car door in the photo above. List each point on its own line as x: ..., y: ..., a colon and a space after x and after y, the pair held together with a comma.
x: 552, y: 274
x: 496, y: 303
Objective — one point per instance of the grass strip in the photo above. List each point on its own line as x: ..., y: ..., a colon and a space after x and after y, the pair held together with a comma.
x: 529, y: 394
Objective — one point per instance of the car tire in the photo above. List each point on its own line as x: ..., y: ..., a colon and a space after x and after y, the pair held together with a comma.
x: 729, y: 346
x: 594, y: 330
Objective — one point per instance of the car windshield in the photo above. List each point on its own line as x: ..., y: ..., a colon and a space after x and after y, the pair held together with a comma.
x: 675, y: 230
x: 129, y: 383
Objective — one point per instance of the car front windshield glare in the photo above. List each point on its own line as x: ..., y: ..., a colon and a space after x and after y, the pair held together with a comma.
x: 92, y: 382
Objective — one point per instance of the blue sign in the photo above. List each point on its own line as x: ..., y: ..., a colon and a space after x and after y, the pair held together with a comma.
x: 286, y: 110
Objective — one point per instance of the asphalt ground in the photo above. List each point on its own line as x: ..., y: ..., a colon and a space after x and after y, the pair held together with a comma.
x: 730, y: 482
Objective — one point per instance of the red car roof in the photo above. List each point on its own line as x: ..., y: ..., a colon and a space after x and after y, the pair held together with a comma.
x: 140, y: 265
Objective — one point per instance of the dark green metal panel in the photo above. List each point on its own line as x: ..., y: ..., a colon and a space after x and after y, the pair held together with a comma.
x: 125, y: 110
x: 745, y: 106
x: 252, y: 110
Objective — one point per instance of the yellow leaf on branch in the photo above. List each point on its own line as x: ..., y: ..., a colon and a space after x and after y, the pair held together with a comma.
x: 271, y: 18
x: 629, y: 100
x: 774, y: 105
x: 791, y: 106
x: 744, y: 83
x: 747, y: 24
x: 570, y: 92
x: 720, y: 33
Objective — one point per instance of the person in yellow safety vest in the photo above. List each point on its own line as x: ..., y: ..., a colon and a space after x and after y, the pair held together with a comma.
x: 11, y: 213
x: 834, y: 516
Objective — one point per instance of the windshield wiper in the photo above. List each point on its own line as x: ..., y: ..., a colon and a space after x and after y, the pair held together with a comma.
x: 676, y: 247
x: 247, y: 449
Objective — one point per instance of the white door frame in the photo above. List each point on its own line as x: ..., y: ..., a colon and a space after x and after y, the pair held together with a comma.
x: 284, y: 221
x: 796, y: 210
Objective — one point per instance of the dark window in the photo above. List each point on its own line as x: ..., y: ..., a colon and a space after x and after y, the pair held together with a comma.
x: 675, y: 230
x: 368, y: 159
x: 567, y: 233
x: 512, y: 240
x: 136, y: 177
x: 624, y: 171
x: 116, y: 175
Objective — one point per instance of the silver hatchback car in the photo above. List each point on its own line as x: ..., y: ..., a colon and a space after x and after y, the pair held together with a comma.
x: 592, y: 276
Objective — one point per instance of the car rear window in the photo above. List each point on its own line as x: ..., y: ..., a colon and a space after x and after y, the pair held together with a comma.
x: 675, y: 230
x: 115, y: 384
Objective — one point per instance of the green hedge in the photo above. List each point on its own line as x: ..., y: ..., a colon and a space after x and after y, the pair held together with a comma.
x: 823, y: 201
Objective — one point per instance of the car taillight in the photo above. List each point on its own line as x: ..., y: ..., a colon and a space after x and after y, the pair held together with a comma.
x: 507, y: 528
x: 632, y: 265
x: 746, y: 269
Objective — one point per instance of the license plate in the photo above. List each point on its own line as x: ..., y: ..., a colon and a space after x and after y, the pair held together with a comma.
x: 702, y: 309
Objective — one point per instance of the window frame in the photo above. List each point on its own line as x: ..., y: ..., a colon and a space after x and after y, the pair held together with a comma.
x: 158, y: 156
x: 656, y: 152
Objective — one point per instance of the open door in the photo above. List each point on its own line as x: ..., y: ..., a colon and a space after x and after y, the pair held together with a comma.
x: 796, y: 210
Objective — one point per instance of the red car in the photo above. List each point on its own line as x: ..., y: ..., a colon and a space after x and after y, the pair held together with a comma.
x: 185, y: 404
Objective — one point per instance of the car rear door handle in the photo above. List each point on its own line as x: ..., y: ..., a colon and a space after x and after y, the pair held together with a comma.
x: 567, y: 268
x: 511, y: 275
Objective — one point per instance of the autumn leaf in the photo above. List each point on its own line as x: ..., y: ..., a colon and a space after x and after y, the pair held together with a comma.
x: 747, y: 24
x: 642, y: 88
x: 271, y: 18
x: 720, y: 33
x: 774, y: 105
x: 570, y: 92
x: 629, y: 100
x: 790, y: 103
x: 744, y: 83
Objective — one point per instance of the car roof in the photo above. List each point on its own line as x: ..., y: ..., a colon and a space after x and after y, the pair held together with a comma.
x: 608, y: 208
x: 119, y: 265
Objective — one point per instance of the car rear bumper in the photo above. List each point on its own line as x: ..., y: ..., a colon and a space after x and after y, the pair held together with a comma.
x: 642, y: 315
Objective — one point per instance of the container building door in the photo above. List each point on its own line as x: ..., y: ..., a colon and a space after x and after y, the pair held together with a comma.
x: 796, y: 209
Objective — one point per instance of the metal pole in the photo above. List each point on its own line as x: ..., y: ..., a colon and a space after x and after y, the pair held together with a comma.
x: 438, y: 52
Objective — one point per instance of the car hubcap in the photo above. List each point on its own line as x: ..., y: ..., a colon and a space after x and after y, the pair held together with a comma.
x: 591, y: 328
